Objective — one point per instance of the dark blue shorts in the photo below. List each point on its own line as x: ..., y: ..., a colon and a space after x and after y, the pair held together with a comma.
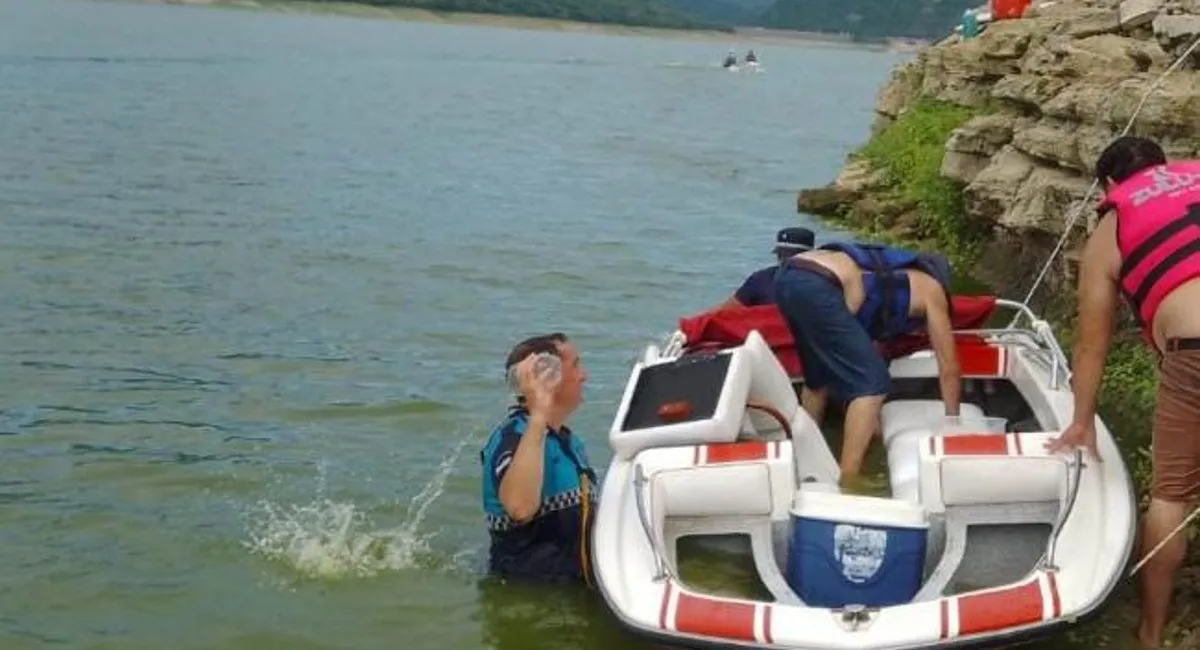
x: 834, y: 348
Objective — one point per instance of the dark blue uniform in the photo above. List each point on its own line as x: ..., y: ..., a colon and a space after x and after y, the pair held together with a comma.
x: 554, y: 544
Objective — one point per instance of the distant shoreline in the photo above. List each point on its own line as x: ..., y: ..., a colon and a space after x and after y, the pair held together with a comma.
x: 739, y: 35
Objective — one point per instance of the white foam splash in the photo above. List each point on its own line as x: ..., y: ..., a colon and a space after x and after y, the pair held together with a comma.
x: 331, y: 539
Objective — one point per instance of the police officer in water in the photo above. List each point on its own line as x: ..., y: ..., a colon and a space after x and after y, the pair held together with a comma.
x: 539, y: 493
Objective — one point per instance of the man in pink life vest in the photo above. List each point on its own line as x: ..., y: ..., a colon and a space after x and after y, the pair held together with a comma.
x: 1147, y: 249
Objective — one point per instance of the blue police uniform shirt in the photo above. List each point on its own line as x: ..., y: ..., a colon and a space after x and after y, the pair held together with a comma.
x: 758, y: 288
x: 547, y: 547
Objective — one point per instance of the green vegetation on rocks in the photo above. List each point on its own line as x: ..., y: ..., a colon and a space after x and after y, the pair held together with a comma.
x: 909, y: 153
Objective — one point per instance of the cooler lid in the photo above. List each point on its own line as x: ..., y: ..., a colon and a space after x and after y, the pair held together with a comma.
x: 861, y: 510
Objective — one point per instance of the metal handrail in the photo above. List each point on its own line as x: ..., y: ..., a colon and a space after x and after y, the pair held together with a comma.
x: 1073, y: 481
x: 662, y: 568
x: 1045, y: 334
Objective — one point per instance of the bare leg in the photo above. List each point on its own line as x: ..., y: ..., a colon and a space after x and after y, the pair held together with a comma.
x: 814, y: 402
x: 862, y: 420
x: 1158, y: 575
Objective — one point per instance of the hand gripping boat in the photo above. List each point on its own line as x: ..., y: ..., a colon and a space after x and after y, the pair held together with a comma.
x: 986, y: 540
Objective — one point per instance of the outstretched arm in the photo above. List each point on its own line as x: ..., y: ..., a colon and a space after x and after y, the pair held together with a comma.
x: 941, y: 339
x: 729, y: 303
x: 1098, y: 298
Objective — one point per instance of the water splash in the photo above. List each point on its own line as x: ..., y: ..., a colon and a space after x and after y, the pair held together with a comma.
x: 331, y: 539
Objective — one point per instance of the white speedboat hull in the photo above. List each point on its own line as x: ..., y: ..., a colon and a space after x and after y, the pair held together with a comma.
x: 1050, y: 534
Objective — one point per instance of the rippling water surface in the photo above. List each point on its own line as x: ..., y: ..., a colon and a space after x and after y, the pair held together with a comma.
x: 258, y: 274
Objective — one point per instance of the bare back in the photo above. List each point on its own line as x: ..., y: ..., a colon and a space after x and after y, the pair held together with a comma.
x: 847, y: 272
x: 1179, y: 314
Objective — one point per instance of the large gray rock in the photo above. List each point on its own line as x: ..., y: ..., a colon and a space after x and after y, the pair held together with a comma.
x: 1093, y: 22
x: 1051, y: 141
x: 901, y: 89
x: 858, y: 176
x: 993, y: 191
x: 983, y: 135
x: 1028, y: 91
x: 1044, y: 200
x: 1134, y: 13
x: 1105, y: 55
x: 962, y: 167
x: 1176, y: 33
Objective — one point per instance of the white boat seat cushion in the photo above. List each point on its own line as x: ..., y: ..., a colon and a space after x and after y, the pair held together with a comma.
x: 905, y: 423
x: 918, y: 416
x: 964, y: 470
x: 737, y: 489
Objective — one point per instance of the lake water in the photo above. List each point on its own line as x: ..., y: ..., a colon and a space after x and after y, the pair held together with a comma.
x: 259, y: 273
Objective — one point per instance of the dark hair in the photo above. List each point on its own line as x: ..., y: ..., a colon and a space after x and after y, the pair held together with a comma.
x: 534, y: 345
x: 1126, y: 156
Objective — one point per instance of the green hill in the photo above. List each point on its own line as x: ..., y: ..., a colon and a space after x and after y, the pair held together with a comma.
x: 869, y: 19
x: 642, y: 13
x: 724, y: 12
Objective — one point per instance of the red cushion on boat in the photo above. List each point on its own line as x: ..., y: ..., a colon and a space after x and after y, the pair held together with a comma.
x: 729, y: 327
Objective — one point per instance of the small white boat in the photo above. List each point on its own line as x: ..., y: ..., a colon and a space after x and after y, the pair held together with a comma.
x: 986, y: 538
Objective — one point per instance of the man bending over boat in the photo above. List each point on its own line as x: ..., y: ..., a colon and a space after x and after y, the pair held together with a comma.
x: 759, y: 287
x: 538, y: 490
x: 1148, y: 252
x: 841, y: 298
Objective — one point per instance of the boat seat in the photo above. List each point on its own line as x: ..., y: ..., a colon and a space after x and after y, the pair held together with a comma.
x: 735, y: 498
x: 987, y: 479
x: 904, y: 423
x: 996, y: 468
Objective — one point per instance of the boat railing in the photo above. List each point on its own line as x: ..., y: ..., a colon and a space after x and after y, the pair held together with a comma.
x: 641, y: 484
x: 1073, y: 480
x: 1038, y: 337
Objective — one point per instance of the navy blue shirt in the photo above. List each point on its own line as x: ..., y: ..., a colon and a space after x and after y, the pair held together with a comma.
x: 547, y: 547
x: 759, y: 287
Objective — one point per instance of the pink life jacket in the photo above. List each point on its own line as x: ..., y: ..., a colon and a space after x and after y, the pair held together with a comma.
x: 1158, y: 234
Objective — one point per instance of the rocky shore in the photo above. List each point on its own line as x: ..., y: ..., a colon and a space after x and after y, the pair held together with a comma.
x: 1041, y: 96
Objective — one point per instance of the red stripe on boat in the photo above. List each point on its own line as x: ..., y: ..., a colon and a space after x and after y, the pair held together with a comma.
x: 998, y: 610
x: 945, y: 611
x: 1056, y: 602
x: 767, y: 625
x: 975, y: 445
x: 733, y: 452
x: 714, y: 618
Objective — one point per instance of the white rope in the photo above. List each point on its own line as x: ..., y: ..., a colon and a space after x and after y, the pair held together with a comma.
x: 1079, y: 207
x: 1154, y: 551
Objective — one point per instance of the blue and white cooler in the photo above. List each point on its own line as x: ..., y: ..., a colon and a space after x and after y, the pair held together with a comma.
x: 855, y: 550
